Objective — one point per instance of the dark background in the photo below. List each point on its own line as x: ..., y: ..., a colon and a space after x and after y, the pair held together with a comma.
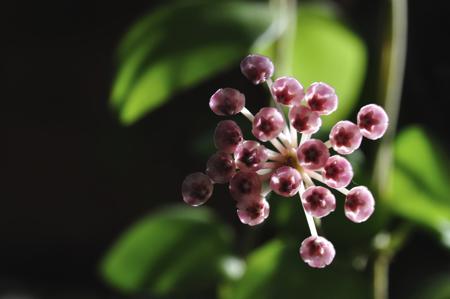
x: 74, y: 178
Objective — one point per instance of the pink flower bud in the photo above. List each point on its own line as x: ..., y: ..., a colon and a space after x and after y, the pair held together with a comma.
x: 257, y: 68
x: 196, y: 189
x: 227, y: 101
x: 321, y: 98
x: 250, y: 156
x: 313, y: 154
x: 268, y: 124
x: 285, y: 181
x: 317, y: 251
x: 304, y: 120
x: 227, y: 136
x: 338, y: 172
x: 345, y: 137
x: 373, y: 121
x: 220, y: 167
x: 359, y: 204
x: 253, y: 212
x: 245, y: 186
x: 318, y: 201
x: 287, y: 91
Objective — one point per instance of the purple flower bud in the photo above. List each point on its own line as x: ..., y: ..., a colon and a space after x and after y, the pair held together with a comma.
x: 345, y: 137
x: 250, y: 156
x: 257, y: 68
x: 268, y: 124
x: 287, y: 91
x: 245, y: 186
x: 227, y: 101
x: 285, y: 181
x: 253, y: 212
x: 359, y: 204
x: 317, y: 251
x: 338, y: 172
x: 313, y: 154
x: 321, y: 98
x: 318, y: 201
x: 373, y: 121
x: 196, y: 189
x: 227, y: 136
x: 304, y: 120
x: 220, y: 167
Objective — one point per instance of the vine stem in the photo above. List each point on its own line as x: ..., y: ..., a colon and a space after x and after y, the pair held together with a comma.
x: 285, y: 26
x: 287, y: 22
x: 387, y: 246
x: 393, y: 61
x: 381, y: 277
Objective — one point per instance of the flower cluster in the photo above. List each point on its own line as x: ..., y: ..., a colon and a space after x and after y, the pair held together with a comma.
x: 252, y: 170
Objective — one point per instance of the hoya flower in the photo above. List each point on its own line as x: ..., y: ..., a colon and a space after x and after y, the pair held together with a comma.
x: 312, y: 154
x: 304, y: 120
x: 254, y: 211
x: 257, y: 68
x: 290, y: 163
x: 250, y: 155
x: 359, y: 204
x: 287, y: 91
x: 317, y: 251
x: 345, y: 137
x: 318, y: 201
x: 285, y: 181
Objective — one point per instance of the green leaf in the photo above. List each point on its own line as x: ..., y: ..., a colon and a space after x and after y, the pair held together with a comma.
x: 172, y: 251
x: 180, y: 45
x: 276, y: 271
x: 419, y: 189
x: 328, y: 51
x: 438, y: 288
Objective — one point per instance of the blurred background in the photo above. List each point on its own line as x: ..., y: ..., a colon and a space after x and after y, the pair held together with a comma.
x: 105, y: 112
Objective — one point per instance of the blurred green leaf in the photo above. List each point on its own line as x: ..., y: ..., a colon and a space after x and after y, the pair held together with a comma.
x: 275, y: 270
x: 175, y: 250
x: 415, y: 154
x: 419, y: 182
x: 439, y: 288
x: 180, y: 45
x: 328, y: 51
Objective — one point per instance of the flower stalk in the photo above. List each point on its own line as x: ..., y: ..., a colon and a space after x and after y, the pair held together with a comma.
x: 391, y: 81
